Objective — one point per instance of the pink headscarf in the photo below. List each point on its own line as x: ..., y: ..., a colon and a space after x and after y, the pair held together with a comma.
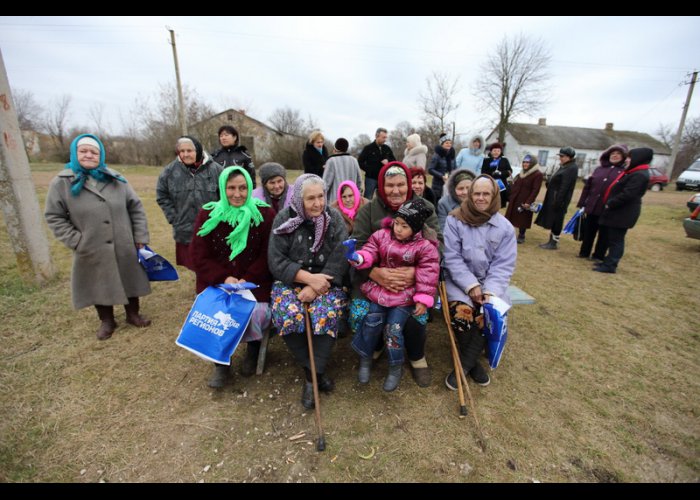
x: 350, y: 212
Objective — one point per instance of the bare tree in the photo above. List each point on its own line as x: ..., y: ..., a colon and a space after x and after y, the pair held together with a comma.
x: 514, y: 80
x: 358, y: 144
x: 29, y: 111
x: 57, y: 120
x: 397, y: 138
x: 438, y: 100
x: 289, y: 121
x: 689, y: 148
x: 96, y: 114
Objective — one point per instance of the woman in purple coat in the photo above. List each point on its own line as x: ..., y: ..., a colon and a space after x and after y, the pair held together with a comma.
x: 591, y: 200
x: 480, y: 254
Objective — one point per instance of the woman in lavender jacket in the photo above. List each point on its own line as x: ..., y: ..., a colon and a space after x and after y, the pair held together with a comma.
x: 480, y: 254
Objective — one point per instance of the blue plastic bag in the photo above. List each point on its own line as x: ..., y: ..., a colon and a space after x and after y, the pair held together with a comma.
x: 574, y: 225
x: 495, y: 329
x: 157, y: 268
x: 217, y: 321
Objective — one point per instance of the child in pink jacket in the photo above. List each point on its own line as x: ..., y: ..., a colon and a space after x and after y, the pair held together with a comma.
x: 402, y: 242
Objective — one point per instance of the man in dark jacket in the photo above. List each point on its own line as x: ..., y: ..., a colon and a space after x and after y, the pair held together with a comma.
x: 231, y: 153
x: 560, y: 189
x: 372, y: 158
x: 623, y: 205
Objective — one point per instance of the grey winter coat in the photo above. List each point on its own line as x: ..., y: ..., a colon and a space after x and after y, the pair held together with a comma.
x: 340, y: 167
x: 181, y: 194
x: 102, y: 226
x: 416, y: 157
x: 289, y: 253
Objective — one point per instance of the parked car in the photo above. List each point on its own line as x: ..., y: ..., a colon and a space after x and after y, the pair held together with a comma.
x: 657, y: 179
x: 692, y: 224
x: 690, y: 178
x: 693, y: 202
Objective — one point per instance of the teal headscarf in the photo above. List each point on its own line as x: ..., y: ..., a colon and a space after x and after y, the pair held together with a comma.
x: 81, y: 174
x: 240, y: 218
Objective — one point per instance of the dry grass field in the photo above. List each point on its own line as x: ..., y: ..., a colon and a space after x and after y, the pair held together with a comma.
x: 600, y: 382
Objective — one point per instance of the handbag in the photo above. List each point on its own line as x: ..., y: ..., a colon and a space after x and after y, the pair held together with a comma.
x: 217, y: 321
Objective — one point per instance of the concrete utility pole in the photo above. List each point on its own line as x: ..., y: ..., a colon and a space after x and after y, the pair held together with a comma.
x: 17, y: 195
x: 677, y: 140
x: 180, y: 99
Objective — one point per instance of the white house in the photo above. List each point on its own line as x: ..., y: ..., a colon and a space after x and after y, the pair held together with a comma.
x: 544, y: 141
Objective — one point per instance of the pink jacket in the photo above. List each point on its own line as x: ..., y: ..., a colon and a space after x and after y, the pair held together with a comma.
x: 423, y: 254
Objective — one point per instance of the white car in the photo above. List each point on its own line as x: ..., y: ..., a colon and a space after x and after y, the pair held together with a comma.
x: 689, y: 178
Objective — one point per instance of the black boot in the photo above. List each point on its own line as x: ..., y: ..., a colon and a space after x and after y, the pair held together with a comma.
x: 220, y: 376
x: 391, y: 382
x: 108, y: 325
x: 132, y: 313
x: 250, y: 361
x: 365, y: 370
x: 307, y: 396
x: 551, y: 244
x: 472, y: 365
x: 325, y: 383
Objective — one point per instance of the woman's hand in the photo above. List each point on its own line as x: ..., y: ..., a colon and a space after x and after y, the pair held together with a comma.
x: 420, y: 309
x: 320, y: 283
x: 394, y: 280
x: 233, y: 281
x: 476, y: 295
x: 140, y: 245
x: 307, y: 294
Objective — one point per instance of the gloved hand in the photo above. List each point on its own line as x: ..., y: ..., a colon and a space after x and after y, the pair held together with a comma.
x: 350, y: 252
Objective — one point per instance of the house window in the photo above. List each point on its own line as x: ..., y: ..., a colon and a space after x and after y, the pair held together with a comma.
x: 229, y: 116
x: 581, y: 160
x: 542, y: 156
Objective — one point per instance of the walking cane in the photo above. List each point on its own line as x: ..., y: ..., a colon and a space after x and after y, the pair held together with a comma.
x: 321, y: 444
x: 461, y: 377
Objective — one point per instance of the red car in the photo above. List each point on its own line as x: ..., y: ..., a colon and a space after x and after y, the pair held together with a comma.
x: 657, y: 179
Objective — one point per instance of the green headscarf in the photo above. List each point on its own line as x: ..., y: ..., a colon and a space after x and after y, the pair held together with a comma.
x: 240, y: 218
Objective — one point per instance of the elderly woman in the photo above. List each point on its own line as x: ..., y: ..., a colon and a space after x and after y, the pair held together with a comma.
x: 274, y: 189
x: 526, y: 187
x: 349, y: 202
x: 183, y: 187
x: 394, y: 189
x: 416, y: 154
x: 498, y: 167
x: 480, y: 254
x: 340, y: 167
x: 457, y: 188
x: 230, y: 246
x: 93, y: 211
x: 308, y: 264
x: 441, y: 164
x: 315, y: 154
x: 419, y: 184
x: 472, y: 157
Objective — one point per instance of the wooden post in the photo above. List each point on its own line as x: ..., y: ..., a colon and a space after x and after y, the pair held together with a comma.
x: 17, y: 195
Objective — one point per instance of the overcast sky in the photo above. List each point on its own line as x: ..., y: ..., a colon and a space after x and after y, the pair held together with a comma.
x: 354, y: 74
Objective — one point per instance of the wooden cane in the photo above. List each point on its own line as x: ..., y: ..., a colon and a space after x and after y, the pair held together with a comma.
x: 458, y: 366
x: 455, y: 354
x: 321, y: 443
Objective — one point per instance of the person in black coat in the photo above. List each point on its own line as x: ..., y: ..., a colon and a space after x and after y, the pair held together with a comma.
x: 231, y: 153
x: 499, y: 168
x: 315, y: 154
x: 560, y: 189
x: 442, y: 164
x: 623, y: 205
x: 373, y: 157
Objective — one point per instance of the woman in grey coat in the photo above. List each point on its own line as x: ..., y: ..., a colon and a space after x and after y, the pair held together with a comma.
x: 307, y: 262
x: 184, y: 186
x: 93, y: 211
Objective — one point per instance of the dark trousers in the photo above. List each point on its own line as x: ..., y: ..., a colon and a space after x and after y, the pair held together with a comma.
x: 322, y: 344
x: 616, y: 249
x: 558, y: 222
x: 591, y: 228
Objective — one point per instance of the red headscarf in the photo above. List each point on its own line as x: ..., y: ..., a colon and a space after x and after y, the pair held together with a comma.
x: 380, y: 189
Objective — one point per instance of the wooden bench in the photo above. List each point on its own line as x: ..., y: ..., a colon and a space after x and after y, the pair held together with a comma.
x: 518, y: 296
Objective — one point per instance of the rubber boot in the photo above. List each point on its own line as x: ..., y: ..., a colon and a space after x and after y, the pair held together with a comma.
x: 307, y: 396
x: 219, y: 377
x: 108, y: 325
x: 250, y: 361
x: 552, y: 244
x: 132, y: 313
x: 391, y: 382
x: 325, y: 383
x: 473, y: 367
x: 365, y: 370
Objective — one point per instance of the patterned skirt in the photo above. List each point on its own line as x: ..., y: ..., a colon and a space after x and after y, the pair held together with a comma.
x: 325, y: 311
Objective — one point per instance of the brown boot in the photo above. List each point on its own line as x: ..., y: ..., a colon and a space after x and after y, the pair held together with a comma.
x: 108, y: 325
x: 132, y: 313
